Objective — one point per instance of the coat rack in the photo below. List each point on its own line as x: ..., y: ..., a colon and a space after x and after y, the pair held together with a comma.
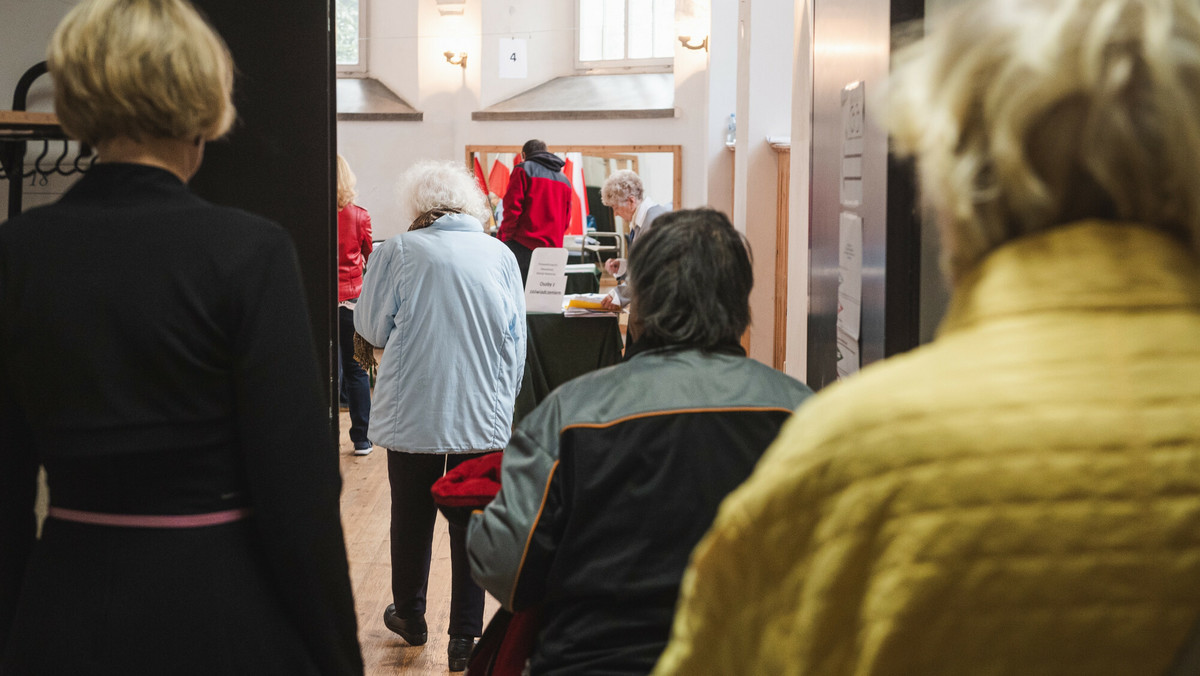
x: 19, y: 128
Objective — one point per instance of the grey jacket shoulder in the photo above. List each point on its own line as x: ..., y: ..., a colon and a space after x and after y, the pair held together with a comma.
x: 653, y: 213
x: 661, y: 380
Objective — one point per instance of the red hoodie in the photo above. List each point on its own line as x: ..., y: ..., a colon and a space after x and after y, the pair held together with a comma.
x: 537, y: 206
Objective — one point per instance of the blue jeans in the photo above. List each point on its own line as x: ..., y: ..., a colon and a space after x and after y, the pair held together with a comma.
x: 355, y: 382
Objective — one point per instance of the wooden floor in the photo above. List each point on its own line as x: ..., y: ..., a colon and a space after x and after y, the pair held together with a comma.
x: 366, y: 508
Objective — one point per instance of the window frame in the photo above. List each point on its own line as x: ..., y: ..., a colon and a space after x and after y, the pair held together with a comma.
x: 357, y: 69
x: 626, y: 65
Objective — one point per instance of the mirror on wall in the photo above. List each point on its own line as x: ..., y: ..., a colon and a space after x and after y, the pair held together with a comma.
x: 658, y: 166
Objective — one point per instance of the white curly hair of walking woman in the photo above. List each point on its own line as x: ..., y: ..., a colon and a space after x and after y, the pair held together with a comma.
x: 433, y: 184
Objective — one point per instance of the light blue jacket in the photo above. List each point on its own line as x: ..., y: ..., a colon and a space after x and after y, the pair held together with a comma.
x: 447, y: 305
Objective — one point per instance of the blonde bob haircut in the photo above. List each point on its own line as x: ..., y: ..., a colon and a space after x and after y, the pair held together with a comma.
x: 346, y: 180
x: 1028, y: 114
x: 433, y: 184
x: 620, y: 186
x: 140, y: 69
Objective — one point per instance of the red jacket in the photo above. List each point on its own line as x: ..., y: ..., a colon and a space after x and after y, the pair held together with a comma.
x: 537, y: 206
x: 354, y: 245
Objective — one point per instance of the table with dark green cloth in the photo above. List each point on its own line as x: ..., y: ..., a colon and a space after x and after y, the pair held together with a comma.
x: 561, y: 348
x: 583, y: 282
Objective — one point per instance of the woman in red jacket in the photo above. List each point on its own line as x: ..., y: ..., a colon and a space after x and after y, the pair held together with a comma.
x: 354, y: 245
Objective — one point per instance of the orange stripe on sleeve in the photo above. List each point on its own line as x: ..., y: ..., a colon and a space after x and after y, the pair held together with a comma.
x: 651, y: 414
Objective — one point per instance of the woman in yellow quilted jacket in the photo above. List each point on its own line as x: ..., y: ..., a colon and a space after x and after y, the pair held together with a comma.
x: 1022, y: 495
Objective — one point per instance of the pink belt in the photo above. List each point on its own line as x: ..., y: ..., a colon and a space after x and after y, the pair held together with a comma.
x: 150, y: 520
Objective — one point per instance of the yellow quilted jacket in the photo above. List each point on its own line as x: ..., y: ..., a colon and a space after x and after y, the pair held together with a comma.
x: 1021, y: 496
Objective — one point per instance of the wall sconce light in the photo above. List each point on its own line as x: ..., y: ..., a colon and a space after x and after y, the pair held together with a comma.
x: 451, y: 7
x: 687, y: 41
x: 456, y: 59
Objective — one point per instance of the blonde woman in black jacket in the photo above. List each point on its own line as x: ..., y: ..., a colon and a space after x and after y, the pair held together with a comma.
x: 155, y: 358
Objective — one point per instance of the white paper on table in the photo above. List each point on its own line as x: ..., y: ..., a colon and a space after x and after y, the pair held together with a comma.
x: 513, y: 63
x: 587, y: 312
x: 847, y: 355
x: 850, y: 246
x: 547, y: 281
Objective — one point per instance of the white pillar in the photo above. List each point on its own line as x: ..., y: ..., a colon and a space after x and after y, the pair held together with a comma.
x: 722, y: 100
x: 796, y: 363
x: 764, y: 101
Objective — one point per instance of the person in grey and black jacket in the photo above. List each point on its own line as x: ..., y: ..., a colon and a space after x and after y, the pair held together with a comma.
x: 608, y: 485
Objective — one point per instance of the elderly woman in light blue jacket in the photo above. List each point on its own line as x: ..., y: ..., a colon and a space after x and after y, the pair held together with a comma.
x: 445, y: 301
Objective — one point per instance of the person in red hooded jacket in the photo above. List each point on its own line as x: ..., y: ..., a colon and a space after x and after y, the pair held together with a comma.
x: 354, y: 245
x: 537, y: 204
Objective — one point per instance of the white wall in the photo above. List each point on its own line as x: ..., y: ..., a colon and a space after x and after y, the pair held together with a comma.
x: 722, y: 100
x: 764, y: 100
x: 548, y: 29
x: 796, y: 359
x: 407, y: 38
x: 657, y: 180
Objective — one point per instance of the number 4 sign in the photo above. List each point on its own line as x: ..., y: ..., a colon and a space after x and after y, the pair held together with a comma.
x: 513, y: 63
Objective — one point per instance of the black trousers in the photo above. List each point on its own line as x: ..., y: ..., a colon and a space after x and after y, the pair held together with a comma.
x: 413, y: 513
x: 523, y: 255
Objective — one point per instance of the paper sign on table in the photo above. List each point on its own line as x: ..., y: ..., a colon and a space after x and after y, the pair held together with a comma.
x: 547, y: 280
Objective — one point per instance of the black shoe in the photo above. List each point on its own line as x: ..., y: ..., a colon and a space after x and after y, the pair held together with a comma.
x: 459, y: 651
x: 412, y: 630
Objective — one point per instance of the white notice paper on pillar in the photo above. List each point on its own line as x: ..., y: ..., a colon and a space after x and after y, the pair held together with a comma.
x: 513, y: 64
x: 853, y: 127
x: 847, y: 355
x: 850, y: 246
x: 547, y: 280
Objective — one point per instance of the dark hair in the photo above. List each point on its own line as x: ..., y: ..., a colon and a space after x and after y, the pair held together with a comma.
x: 533, y: 146
x: 690, y: 275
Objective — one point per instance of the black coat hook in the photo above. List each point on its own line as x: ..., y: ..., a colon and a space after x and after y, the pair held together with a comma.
x: 84, y: 151
x: 58, y: 168
x: 37, y: 166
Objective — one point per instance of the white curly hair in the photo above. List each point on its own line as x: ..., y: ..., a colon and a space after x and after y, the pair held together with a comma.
x: 430, y: 184
x: 620, y: 186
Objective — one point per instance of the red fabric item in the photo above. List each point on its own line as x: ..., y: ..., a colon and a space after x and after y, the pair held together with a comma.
x: 472, y: 484
x: 483, y: 186
x: 498, y: 178
x: 354, y: 246
x: 579, y: 209
x: 507, y: 643
x: 518, y: 643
